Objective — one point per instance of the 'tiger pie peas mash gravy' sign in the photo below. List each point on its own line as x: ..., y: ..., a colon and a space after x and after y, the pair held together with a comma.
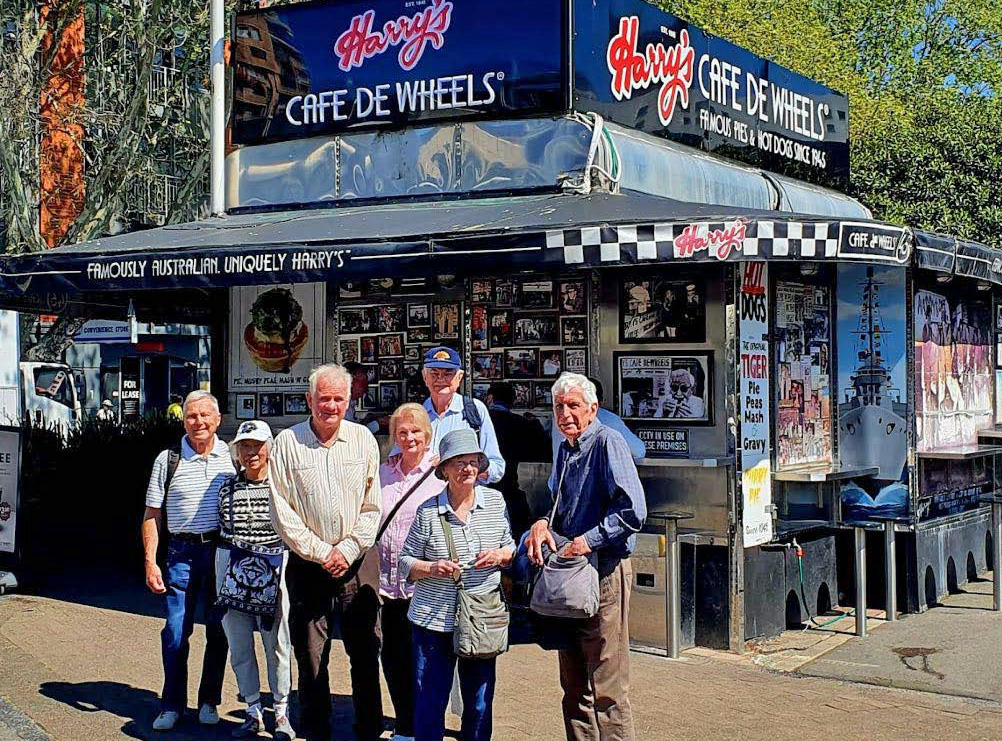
x: 649, y: 70
x: 327, y: 68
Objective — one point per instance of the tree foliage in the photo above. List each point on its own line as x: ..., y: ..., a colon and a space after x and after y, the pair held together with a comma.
x: 923, y: 80
x: 144, y: 118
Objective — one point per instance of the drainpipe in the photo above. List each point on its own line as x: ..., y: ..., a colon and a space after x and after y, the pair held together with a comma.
x: 217, y: 135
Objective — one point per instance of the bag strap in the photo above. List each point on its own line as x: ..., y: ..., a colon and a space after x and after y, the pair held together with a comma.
x: 447, y: 529
x: 471, y: 415
x: 173, y: 461
x: 400, y: 502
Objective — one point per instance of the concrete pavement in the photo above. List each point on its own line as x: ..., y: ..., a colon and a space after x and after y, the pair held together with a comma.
x: 83, y: 663
x: 952, y: 649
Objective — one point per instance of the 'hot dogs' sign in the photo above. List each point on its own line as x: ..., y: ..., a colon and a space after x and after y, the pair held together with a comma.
x: 650, y: 70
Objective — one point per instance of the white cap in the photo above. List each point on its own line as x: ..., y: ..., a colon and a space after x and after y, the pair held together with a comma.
x: 253, y: 429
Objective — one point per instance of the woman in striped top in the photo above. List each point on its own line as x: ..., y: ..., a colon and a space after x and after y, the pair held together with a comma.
x: 483, y: 543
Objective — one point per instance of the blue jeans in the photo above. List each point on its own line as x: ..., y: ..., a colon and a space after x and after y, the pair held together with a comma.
x: 191, y: 578
x: 434, y: 666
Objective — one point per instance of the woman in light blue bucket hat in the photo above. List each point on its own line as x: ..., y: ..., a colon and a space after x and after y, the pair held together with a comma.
x: 484, y: 545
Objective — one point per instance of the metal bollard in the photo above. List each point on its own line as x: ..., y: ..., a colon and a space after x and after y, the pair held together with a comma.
x: 997, y: 556
x: 860, y: 552
x: 890, y: 573
x: 673, y: 590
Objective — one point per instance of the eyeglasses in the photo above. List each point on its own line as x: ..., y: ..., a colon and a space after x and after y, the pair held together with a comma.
x: 441, y: 374
x: 683, y: 387
x: 463, y: 465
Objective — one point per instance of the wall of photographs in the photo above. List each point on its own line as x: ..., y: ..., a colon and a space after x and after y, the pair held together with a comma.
x: 527, y: 331
x: 387, y: 325
x: 803, y: 374
x: 998, y: 362
x: 953, y: 369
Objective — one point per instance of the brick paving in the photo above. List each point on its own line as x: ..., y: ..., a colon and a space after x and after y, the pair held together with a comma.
x: 85, y: 670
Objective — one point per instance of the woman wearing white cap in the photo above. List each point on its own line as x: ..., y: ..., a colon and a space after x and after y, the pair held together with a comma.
x: 250, y: 580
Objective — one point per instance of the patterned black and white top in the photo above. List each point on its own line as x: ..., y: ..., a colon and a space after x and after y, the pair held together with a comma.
x: 434, y: 603
x: 245, y: 514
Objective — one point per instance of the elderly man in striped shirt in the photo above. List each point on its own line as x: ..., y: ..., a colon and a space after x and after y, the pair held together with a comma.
x: 186, y: 482
x: 326, y: 507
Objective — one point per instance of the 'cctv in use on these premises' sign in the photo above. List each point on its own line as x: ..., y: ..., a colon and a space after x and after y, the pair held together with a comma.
x: 322, y: 68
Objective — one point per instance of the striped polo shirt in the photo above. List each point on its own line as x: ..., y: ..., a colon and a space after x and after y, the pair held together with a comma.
x: 192, y: 503
x: 434, y: 603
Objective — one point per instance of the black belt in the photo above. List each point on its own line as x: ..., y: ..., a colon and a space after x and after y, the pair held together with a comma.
x: 204, y: 538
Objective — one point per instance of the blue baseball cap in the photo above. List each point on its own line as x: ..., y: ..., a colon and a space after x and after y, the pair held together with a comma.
x: 442, y: 357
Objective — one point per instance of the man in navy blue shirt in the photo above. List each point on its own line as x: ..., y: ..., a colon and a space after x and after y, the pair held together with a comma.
x: 600, y: 507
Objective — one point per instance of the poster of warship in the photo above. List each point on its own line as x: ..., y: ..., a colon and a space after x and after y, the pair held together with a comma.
x: 871, y: 412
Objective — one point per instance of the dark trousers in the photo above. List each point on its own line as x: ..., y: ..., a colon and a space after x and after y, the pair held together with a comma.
x: 318, y: 604
x: 435, y: 664
x: 191, y: 578
x: 398, y: 662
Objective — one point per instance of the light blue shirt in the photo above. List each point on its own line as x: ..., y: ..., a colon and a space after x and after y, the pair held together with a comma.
x: 453, y: 420
x: 609, y: 419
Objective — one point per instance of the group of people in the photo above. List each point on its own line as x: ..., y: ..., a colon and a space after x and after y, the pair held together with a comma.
x: 307, y: 536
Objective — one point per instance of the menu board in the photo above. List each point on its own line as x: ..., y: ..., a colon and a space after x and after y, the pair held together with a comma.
x: 803, y: 367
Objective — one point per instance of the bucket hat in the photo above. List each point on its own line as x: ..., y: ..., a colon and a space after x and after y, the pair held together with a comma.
x: 456, y: 443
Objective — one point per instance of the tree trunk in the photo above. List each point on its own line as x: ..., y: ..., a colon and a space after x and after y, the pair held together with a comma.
x: 54, y: 343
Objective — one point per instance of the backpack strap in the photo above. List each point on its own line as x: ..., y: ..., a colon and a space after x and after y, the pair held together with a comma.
x: 173, y: 461
x: 471, y: 415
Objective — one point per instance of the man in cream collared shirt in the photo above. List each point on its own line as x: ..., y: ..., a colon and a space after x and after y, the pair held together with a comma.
x: 326, y: 507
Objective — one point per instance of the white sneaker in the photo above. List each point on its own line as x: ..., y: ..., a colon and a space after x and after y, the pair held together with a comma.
x: 207, y: 715
x: 166, y: 720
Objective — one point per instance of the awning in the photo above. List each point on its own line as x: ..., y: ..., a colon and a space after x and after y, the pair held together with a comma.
x: 543, y: 230
x: 945, y: 254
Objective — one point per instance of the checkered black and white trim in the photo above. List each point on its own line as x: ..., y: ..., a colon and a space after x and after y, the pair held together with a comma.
x: 642, y: 242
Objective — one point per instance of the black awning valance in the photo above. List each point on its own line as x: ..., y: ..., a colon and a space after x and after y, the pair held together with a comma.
x: 455, y: 236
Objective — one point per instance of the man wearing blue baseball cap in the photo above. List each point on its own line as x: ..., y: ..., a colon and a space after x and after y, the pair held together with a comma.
x: 448, y: 410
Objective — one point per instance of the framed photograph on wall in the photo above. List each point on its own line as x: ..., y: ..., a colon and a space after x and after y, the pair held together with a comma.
x: 480, y: 390
x: 445, y: 321
x: 521, y: 363
x: 348, y: 351
x: 506, y: 294
x: 572, y: 297
x: 295, y: 404
x: 551, y: 362
x: 390, y: 318
x: 500, y: 330
x: 573, y: 330
x: 246, y: 406
x: 270, y: 405
x: 419, y: 334
x: 370, y: 349
x: 661, y: 310
x: 542, y: 393
x: 675, y: 387
x: 482, y: 291
x: 414, y: 388
x: 371, y: 373
x: 537, y: 294
x: 523, y: 394
x: 478, y: 328
x: 536, y: 329
x: 488, y: 365
x: 576, y: 360
x: 418, y: 315
x: 412, y: 354
x: 371, y: 398
x: 357, y: 321
x: 391, y: 369
x: 391, y: 345
x: 390, y: 395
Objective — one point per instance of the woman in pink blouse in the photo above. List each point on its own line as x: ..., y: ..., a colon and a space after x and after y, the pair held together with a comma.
x: 407, y: 483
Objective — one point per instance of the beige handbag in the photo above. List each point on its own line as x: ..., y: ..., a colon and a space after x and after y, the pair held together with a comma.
x: 481, y: 626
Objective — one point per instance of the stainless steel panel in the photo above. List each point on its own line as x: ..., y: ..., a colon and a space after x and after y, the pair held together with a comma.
x: 388, y: 164
x: 647, y: 601
x: 301, y: 171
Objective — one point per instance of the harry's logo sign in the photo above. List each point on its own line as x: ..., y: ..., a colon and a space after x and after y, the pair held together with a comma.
x: 411, y: 33
x: 632, y: 70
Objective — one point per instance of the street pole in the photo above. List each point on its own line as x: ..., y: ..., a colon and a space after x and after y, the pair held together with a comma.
x: 217, y: 135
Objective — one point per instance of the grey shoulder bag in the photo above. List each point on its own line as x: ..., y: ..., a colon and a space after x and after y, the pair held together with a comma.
x: 565, y: 587
x: 481, y: 627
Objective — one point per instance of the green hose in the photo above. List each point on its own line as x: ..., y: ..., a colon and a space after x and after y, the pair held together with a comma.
x: 803, y: 598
